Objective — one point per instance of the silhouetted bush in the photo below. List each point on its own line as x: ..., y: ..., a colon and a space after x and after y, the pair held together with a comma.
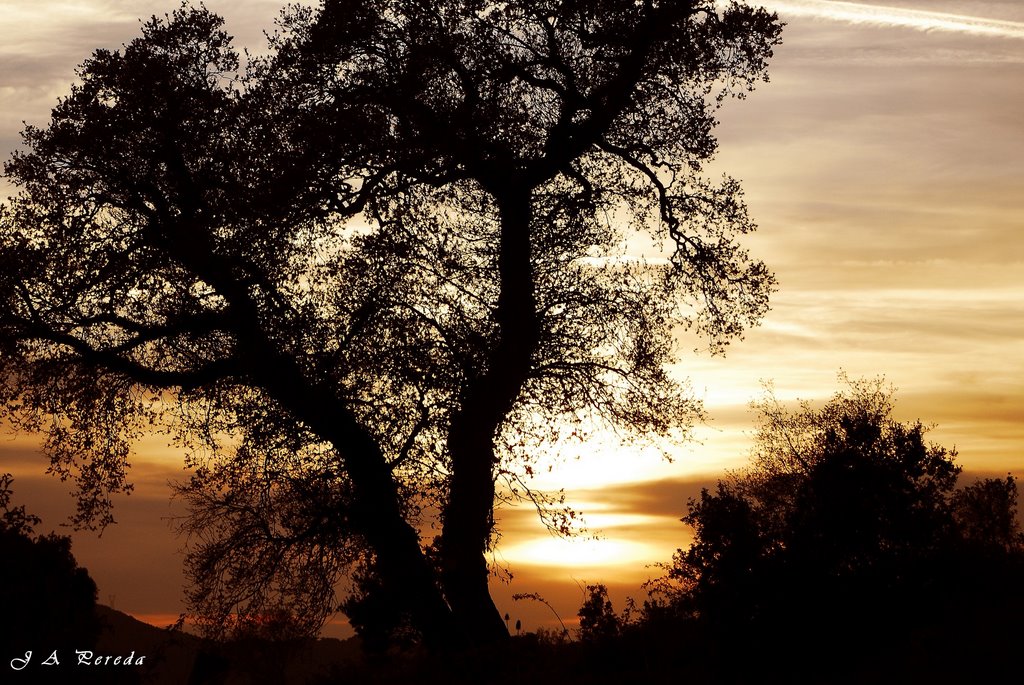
x: 378, y: 616
x: 598, y: 621
x: 49, y: 602
x: 44, y: 593
x: 846, y: 550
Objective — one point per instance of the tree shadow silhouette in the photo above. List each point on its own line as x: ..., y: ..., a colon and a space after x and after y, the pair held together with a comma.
x: 49, y: 604
x: 847, y: 552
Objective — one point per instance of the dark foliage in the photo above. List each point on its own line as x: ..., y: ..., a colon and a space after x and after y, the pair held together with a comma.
x: 378, y: 617
x: 598, y: 621
x: 45, y: 595
x: 48, y: 601
x: 845, y: 550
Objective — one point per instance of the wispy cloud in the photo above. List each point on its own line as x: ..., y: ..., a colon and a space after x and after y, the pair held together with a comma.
x: 879, y: 15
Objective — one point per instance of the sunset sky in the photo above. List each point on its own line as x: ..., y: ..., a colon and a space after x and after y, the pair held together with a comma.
x: 884, y: 164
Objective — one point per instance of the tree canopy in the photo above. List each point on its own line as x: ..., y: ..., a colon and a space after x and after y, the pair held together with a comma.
x: 849, y: 535
x: 364, y: 277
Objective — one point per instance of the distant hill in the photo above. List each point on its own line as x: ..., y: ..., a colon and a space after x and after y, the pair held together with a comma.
x: 174, y: 657
x: 170, y: 655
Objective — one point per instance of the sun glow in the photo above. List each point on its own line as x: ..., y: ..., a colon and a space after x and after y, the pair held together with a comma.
x: 614, y: 541
x: 599, y: 462
x: 580, y: 553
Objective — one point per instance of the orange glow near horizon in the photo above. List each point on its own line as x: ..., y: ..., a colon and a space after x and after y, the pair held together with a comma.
x: 572, y: 553
x: 157, y: 620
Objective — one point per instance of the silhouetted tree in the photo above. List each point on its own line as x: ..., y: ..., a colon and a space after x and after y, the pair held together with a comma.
x: 362, y: 280
x: 598, y: 620
x: 48, y: 601
x: 846, y: 535
x: 376, y: 614
x: 985, y: 514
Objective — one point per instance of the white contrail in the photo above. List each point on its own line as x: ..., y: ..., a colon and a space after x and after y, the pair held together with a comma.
x: 859, y: 13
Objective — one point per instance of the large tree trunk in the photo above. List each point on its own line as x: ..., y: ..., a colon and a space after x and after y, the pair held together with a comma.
x: 404, y: 569
x: 376, y: 512
x: 468, y: 516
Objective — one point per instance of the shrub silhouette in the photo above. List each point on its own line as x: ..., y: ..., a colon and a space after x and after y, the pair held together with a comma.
x: 49, y: 602
x: 598, y: 621
x: 846, y: 547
